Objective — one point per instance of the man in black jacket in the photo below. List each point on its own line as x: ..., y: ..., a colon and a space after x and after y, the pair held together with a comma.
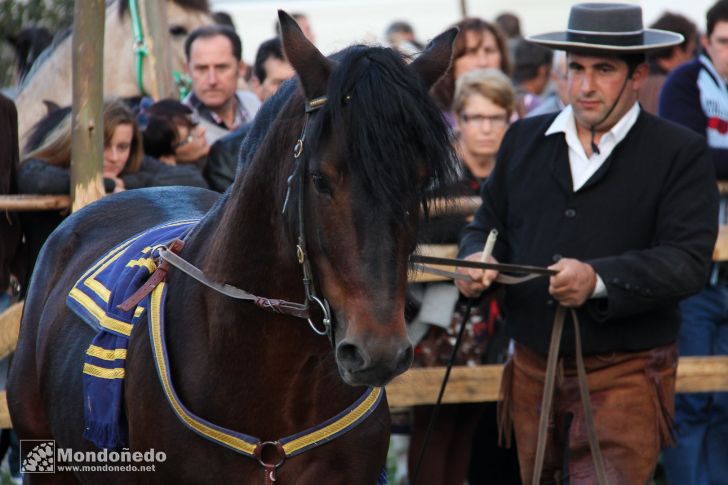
x: 623, y: 205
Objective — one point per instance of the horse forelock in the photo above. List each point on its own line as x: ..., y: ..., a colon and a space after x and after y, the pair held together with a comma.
x: 394, y: 141
x: 387, y: 135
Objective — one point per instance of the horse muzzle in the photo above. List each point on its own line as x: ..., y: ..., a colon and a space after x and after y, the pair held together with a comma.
x: 373, y: 362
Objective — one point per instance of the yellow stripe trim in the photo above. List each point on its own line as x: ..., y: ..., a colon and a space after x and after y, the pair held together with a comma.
x: 113, y: 255
x: 105, y: 258
x: 96, y: 371
x: 138, y: 311
x: 231, y: 441
x: 95, y: 285
x: 145, y: 262
x: 336, y: 426
x: 106, y: 354
x: 99, y: 314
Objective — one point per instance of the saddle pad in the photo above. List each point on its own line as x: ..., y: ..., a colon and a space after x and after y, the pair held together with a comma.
x: 94, y: 298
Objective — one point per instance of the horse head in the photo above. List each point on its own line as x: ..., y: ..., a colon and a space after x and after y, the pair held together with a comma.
x: 370, y: 154
x: 183, y: 16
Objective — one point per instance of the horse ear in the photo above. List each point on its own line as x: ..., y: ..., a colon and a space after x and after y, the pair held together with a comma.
x: 312, y: 67
x: 434, y: 61
x: 50, y: 106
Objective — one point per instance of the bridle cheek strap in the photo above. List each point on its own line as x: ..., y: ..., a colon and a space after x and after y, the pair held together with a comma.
x: 299, y: 172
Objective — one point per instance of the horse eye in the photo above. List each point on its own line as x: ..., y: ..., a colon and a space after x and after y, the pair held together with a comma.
x: 178, y: 30
x: 321, y: 183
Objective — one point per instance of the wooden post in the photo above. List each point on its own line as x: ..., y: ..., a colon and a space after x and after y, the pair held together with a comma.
x: 464, y: 8
x: 87, y: 145
x: 156, y: 35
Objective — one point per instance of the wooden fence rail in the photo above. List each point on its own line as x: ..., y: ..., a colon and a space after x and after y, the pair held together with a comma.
x: 30, y: 202
x: 481, y: 384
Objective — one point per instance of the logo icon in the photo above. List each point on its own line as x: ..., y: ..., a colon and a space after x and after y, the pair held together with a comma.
x: 39, y: 456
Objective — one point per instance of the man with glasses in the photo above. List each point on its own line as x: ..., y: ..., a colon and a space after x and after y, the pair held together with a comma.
x: 623, y: 206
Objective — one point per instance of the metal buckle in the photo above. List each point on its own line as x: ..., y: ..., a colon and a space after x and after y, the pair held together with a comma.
x: 298, y: 148
x: 156, y: 252
x: 327, y: 316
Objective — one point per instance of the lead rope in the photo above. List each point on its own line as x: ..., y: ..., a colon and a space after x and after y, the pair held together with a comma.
x: 548, y: 393
x: 487, y: 252
x: 140, y: 45
x: 438, y: 404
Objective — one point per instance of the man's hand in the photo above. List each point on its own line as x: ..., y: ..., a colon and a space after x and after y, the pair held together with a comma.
x: 574, y: 283
x: 479, y: 279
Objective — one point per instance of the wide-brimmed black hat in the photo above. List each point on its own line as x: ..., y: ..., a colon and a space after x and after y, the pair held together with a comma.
x: 612, y: 27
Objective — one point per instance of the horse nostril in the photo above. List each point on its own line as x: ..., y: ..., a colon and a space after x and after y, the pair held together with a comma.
x: 404, y: 358
x: 350, y: 357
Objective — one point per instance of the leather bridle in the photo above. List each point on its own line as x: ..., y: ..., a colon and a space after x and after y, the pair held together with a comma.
x: 169, y: 255
x: 299, y: 172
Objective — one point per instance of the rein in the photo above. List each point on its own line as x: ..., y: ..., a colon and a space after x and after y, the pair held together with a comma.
x: 530, y: 272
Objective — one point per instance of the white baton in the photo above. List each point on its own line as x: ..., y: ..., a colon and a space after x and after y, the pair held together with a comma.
x: 489, y: 245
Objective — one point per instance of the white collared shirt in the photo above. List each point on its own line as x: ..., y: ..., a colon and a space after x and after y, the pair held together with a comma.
x: 583, y: 167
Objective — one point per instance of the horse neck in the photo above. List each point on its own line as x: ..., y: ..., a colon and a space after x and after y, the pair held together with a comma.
x: 265, y: 357
x: 243, y: 242
x: 248, y: 234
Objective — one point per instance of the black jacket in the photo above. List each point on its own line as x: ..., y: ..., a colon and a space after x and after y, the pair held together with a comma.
x: 222, y: 161
x: 646, y: 222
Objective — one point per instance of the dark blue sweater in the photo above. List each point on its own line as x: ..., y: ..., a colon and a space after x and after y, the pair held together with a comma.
x: 695, y: 96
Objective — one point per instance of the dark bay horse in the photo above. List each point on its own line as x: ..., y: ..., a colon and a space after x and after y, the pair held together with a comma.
x: 368, y: 155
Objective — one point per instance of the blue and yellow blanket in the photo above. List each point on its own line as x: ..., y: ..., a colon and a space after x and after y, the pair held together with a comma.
x: 95, y: 298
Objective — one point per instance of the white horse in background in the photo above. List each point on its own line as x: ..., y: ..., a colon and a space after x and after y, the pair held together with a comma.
x: 51, y: 79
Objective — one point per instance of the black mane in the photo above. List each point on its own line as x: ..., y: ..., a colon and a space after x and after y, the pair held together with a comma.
x: 382, y: 119
x: 387, y: 128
